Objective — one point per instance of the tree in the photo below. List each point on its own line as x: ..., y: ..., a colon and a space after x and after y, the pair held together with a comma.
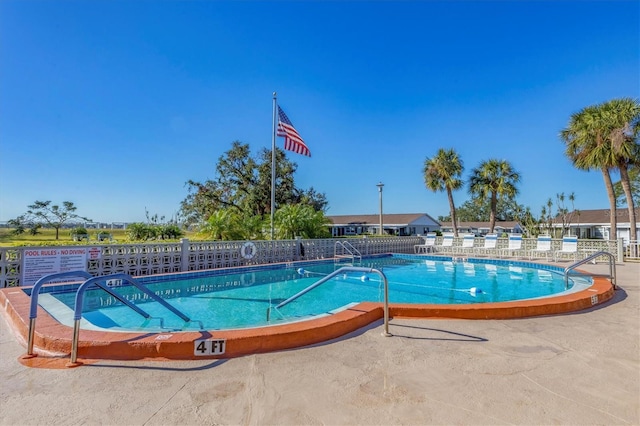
x: 546, y: 216
x: 300, y: 220
x: 565, y: 214
x: 318, y: 201
x: 243, y: 185
x: 634, y: 177
x: 43, y: 213
x: 18, y: 224
x: 442, y: 173
x: 223, y: 225
x: 234, y: 187
x: 494, y: 179
x: 530, y: 224
x: 158, y: 227
x: 605, y: 137
x: 623, y: 117
x: 479, y: 210
x: 139, y: 231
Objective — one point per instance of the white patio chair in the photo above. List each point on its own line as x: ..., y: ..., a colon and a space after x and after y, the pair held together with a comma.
x: 468, y: 240
x: 490, y: 244
x: 447, y: 243
x: 569, y: 247
x: 543, y: 247
x: 515, y: 246
x: 427, y: 245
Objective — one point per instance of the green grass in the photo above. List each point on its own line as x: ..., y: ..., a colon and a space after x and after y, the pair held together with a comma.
x: 47, y: 237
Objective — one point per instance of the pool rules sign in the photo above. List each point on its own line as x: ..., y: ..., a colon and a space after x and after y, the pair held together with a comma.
x: 37, y: 263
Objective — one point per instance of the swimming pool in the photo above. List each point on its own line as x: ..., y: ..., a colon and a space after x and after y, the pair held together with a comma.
x: 240, y: 298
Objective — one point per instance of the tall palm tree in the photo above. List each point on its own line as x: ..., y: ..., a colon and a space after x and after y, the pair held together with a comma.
x: 442, y: 173
x: 634, y: 176
x: 623, y: 115
x: 494, y: 179
x: 605, y: 137
x: 585, y: 142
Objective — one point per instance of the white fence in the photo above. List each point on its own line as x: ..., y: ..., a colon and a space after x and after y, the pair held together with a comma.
x: 632, y: 250
x: 161, y: 258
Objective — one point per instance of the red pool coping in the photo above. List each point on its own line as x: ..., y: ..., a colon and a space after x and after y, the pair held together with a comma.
x: 53, y: 339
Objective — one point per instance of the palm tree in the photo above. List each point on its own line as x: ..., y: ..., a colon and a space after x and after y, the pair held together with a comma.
x: 300, y: 220
x: 624, y: 117
x: 634, y: 176
x: 605, y: 137
x: 222, y: 225
x: 494, y: 179
x: 443, y: 172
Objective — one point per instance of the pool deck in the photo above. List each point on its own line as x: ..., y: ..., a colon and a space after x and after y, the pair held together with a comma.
x: 579, y: 368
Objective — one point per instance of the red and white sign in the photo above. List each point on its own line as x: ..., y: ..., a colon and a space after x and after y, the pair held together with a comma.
x: 95, y: 253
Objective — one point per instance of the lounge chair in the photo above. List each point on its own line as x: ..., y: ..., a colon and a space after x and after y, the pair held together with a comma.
x: 447, y: 243
x: 427, y: 245
x: 515, y: 246
x: 490, y: 244
x: 468, y: 240
x: 569, y: 247
x: 543, y: 247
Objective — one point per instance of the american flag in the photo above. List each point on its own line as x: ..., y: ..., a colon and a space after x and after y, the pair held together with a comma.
x: 292, y: 140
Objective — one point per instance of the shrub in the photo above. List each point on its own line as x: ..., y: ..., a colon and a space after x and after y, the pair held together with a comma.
x: 171, y: 232
x: 79, y: 231
x: 140, y: 231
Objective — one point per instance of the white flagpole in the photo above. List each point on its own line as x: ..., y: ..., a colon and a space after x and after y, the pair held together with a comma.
x: 273, y: 165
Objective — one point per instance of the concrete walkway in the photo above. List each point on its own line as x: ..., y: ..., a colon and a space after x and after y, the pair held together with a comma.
x: 579, y: 369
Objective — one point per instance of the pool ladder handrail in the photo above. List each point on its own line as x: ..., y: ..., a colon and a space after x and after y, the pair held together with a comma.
x: 35, y: 292
x: 349, y: 248
x: 77, y: 312
x: 33, y: 307
x: 593, y: 257
x: 340, y: 272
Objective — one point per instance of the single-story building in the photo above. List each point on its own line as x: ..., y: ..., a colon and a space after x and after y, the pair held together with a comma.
x: 392, y: 224
x: 482, y: 228
x: 596, y: 224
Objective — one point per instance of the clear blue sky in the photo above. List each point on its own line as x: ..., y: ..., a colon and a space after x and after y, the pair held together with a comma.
x: 114, y: 105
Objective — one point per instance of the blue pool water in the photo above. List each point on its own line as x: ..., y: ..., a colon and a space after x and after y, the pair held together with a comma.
x: 240, y: 300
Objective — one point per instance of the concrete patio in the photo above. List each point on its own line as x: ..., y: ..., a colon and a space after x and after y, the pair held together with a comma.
x: 582, y: 368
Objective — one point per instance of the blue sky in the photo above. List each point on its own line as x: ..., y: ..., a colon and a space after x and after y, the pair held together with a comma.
x: 114, y: 105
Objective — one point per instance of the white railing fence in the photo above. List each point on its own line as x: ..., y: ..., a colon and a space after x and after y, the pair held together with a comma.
x: 632, y: 250
x: 161, y: 258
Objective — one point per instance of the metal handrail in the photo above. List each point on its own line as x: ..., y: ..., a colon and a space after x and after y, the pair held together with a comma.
x: 334, y: 274
x: 348, y: 247
x: 612, y: 266
x: 35, y: 291
x: 33, y: 308
x: 77, y: 313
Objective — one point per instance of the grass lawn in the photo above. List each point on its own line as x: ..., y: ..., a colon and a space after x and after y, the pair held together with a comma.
x: 47, y: 237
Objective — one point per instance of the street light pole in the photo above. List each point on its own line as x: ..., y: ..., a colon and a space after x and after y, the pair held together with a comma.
x: 380, y: 185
